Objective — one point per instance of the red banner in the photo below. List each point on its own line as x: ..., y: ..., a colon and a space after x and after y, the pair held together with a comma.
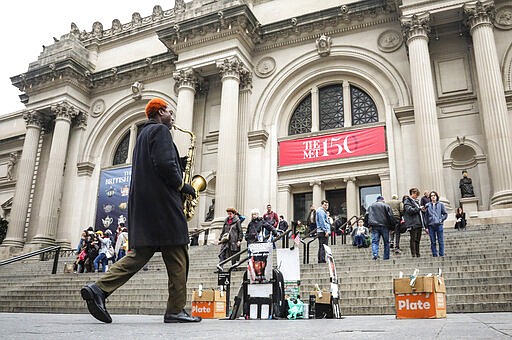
x: 341, y: 145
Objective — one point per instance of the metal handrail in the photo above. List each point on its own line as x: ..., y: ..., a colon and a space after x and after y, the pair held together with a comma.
x: 236, y: 265
x: 43, y: 251
x: 219, y: 266
x: 306, y: 255
x: 344, y: 226
x: 206, y: 232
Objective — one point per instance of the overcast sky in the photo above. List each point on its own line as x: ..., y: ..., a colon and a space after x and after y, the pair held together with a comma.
x: 27, y: 25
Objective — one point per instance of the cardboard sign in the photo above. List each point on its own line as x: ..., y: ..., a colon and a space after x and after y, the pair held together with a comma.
x: 425, y: 300
x: 209, y: 305
x: 420, y: 306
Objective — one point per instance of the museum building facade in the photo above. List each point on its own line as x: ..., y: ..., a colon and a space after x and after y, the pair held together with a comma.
x: 290, y: 102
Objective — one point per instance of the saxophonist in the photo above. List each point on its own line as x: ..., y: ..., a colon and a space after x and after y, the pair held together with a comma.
x: 155, y: 216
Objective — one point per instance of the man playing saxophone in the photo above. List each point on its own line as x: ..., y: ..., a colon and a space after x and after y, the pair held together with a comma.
x: 155, y: 216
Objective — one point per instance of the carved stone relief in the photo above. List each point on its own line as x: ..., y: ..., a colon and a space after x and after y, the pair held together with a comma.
x: 503, y: 19
x: 97, y: 108
x: 389, y: 41
x: 265, y: 67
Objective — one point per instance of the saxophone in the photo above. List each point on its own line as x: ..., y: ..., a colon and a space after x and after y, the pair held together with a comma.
x: 197, y: 182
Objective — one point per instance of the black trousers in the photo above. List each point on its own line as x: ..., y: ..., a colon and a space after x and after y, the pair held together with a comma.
x: 322, y: 239
x: 397, y: 235
x: 415, y: 241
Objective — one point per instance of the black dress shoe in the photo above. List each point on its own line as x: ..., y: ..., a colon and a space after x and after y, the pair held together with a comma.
x: 182, y: 316
x: 95, y: 298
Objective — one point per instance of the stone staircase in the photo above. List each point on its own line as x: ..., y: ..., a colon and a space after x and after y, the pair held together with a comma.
x: 477, y: 270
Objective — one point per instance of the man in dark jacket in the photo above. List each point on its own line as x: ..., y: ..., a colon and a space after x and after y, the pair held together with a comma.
x: 380, y: 219
x: 413, y: 220
x: 155, y: 216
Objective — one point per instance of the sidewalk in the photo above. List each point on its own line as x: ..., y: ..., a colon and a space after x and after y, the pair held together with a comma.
x: 84, y: 326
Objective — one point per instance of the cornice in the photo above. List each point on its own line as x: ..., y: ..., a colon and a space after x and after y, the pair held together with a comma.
x: 71, y: 72
x: 237, y: 20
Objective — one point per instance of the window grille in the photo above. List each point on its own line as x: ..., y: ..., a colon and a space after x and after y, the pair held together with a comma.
x: 121, y: 154
x: 331, y: 107
x: 364, y: 110
x: 301, y: 118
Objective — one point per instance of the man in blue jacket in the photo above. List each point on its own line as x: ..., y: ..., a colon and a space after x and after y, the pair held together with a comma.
x: 323, y: 228
x: 435, y: 215
x: 156, y: 219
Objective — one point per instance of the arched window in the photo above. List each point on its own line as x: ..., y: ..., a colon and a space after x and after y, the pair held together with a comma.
x: 364, y: 110
x: 336, y: 109
x: 331, y: 107
x: 121, y: 154
x: 301, y: 118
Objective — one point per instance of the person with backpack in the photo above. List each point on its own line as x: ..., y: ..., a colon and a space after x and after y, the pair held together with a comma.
x: 397, y: 207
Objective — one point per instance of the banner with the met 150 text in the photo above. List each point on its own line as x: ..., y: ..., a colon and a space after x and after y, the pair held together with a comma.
x: 340, y: 145
x: 113, y: 191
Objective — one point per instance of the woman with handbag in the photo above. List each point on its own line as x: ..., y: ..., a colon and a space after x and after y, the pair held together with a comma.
x: 230, y: 236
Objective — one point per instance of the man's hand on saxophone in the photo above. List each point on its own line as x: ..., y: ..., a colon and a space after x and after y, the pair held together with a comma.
x: 189, y: 190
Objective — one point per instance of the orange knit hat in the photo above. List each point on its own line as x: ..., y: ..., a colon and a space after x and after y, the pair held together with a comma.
x: 154, y: 105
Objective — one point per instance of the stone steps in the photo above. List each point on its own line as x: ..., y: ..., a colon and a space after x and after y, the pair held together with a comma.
x: 477, y: 271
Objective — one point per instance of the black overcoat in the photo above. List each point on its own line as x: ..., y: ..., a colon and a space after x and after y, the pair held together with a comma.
x: 412, y: 214
x: 155, y: 209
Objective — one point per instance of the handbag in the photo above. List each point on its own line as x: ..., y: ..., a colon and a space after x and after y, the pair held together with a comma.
x: 110, y: 252
x: 224, y: 238
x: 82, y: 255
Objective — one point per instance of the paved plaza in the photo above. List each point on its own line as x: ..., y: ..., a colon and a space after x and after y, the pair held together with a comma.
x: 83, y: 326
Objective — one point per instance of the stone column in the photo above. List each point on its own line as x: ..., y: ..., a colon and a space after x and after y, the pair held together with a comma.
x: 416, y: 28
x: 495, y: 120
x: 50, y: 202
x: 315, y: 110
x: 347, y: 105
x: 352, y: 197
x: 227, y: 150
x: 243, y: 142
x: 284, y: 201
x: 187, y: 83
x: 131, y: 143
x: 255, y: 197
x: 15, y: 240
x: 69, y: 227
x: 317, y: 193
x: 385, y: 186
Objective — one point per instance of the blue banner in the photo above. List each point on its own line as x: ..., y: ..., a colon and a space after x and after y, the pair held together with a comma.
x: 113, y: 191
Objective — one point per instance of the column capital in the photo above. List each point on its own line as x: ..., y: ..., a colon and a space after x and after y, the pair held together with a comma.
x: 231, y: 67
x: 284, y: 188
x: 313, y: 183
x: 479, y: 13
x: 384, y: 176
x: 65, y: 110
x: 80, y: 120
x: 350, y: 179
x: 33, y: 118
x: 416, y: 26
x: 245, y: 79
x: 186, y: 78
